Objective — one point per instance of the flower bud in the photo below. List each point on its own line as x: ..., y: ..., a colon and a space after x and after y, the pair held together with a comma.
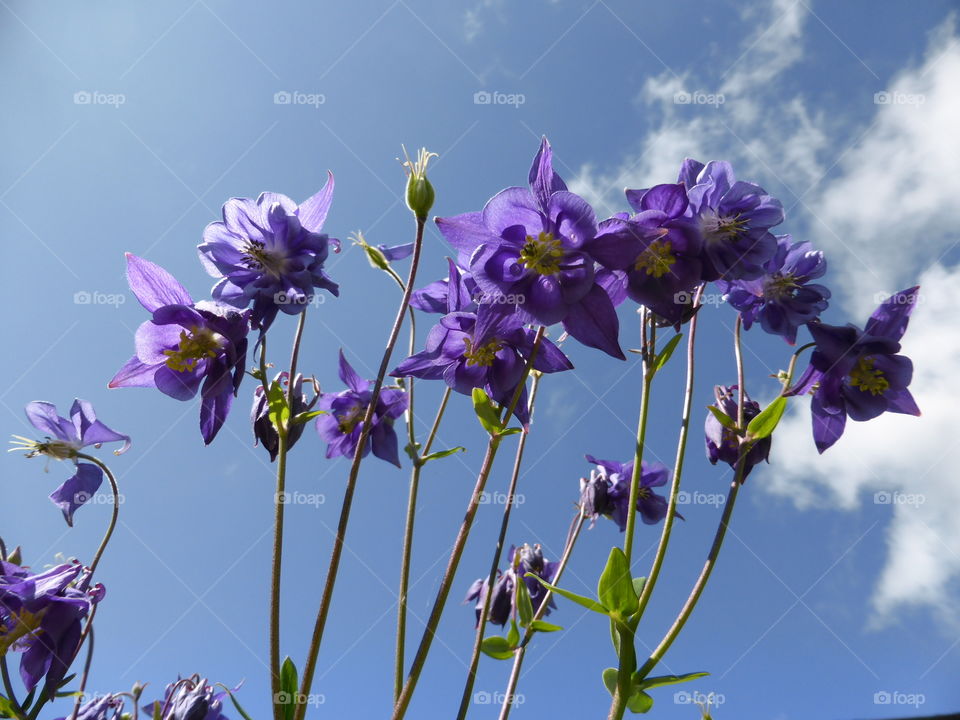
x: 420, y: 193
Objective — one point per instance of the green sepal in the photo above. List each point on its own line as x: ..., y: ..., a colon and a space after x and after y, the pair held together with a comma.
x: 541, y: 626
x: 664, y: 355
x: 288, y: 688
x: 524, y: 605
x: 279, y: 412
x: 444, y: 453
x: 660, y: 681
x: 763, y: 425
x: 615, y: 588
x: 724, y: 419
x: 301, y: 418
x: 486, y: 413
x: 513, y: 636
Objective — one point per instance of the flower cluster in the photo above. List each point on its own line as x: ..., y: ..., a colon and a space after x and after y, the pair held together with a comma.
x: 503, y: 599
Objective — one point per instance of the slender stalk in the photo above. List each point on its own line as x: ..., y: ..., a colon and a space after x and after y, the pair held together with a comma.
x: 712, y: 556
x: 400, y: 708
x: 84, y: 676
x: 278, y: 511
x: 8, y: 687
x: 495, y: 562
x: 408, y: 543
x: 511, y: 690
x: 658, y: 558
x: 327, y: 595
x: 111, y: 526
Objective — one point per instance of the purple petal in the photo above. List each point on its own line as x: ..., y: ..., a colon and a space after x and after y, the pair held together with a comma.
x: 77, y: 490
x: 93, y: 432
x: 543, y: 180
x: 350, y: 377
x: 43, y: 416
x: 890, y: 319
x: 593, y: 321
x: 134, y: 374
x: 213, y: 412
x: 154, y: 286
x: 313, y: 211
x: 178, y: 385
x: 827, y: 426
x: 383, y: 438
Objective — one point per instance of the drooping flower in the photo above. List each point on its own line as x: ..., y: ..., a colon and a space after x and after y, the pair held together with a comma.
x: 484, y: 349
x: 735, y: 218
x: 783, y: 298
x: 655, y: 255
x: 191, y: 698
x: 529, y: 247
x: 723, y: 444
x: 522, y: 560
x: 269, y: 252
x: 101, y: 707
x: 607, y: 491
x: 263, y: 429
x: 41, y: 616
x: 64, y: 439
x: 859, y: 373
x: 186, y: 347
x: 342, y: 425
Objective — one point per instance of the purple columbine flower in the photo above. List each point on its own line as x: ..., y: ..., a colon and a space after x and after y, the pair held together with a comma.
x: 783, y: 298
x: 191, y: 698
x: 522, y: 560
x: 41, y: 616
x: 484, y: 349
x: 435, y: 297
x: 185, y: 346
x: 263, y: 429
x: 269, y: 252
x: 103, y: 707
x: 607, y: 492
x: 859, y: 373
x: 528, y: 249
x: 723, y: 444
x: 64, y: 439
x: 655, y: 255
x: 342, y: 424
x: 735, y: 218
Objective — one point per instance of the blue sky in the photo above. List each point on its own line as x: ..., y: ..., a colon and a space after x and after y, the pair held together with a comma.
x: 126, y: 126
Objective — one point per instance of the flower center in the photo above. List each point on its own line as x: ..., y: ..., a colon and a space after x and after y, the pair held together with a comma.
x: 197, y: 344
x: 22, y: 623
x: 780, y: 287
x: 657, y: 259
x: 256, y: 257
x: 542, y: 254
x: 867, y: 378
x: 483, y: 355
x: 350, y: 419
x: 717, y: 228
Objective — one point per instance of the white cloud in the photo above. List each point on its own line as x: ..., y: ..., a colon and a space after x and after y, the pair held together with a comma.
x: 886, y: 215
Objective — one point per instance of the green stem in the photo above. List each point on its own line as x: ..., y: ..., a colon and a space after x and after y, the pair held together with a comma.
x: 8, y: 687
x: 538, y: 615
x: 84, y: 676
x: 493, y: 444
x: 647, y: 355
x: 326, y: 597
x: 658, y: 558
x: 278, y: 512
x: 111, y: 526
x: 495, y: 562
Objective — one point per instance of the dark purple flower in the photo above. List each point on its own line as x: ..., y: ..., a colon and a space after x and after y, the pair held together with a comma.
x: 41, y: 616
x: 263, y: 429
x: 64, y: 439
x: 185, y: 345
x: 783, y: 298
x: 269, y: 252
x: 655, y: 255
x: 607, y: 491
x: 528, y: 249
x: 723, y: 444
x: 342, y: 424
x: 522, y: 560
x: 484, y: 349
x: 859, y: 373
x: 735, y: 218
x: 191, y: 698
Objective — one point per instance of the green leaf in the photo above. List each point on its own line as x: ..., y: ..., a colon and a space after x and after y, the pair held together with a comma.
x: 541, y: 626
x: 510, y: 431
x: 610, y: 680
x: 236, y: 704
x: 513, y: 636
x: 486, y: 413
x: 279, y: 413
x: 157, y: 710
x: 497, y: 647
x: 524, y: 605
x: 763, y: 425
x: 615, y: 589
x: 722, y: 417
x: 288, y: 688
x: 303, y: 417
x: 586, y: 602
x: 664, y: 355
x: 444, y: 453
x: 6, y: 708
x: 638, y: 584
x: 639, y: 702
x: 652, y: 682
